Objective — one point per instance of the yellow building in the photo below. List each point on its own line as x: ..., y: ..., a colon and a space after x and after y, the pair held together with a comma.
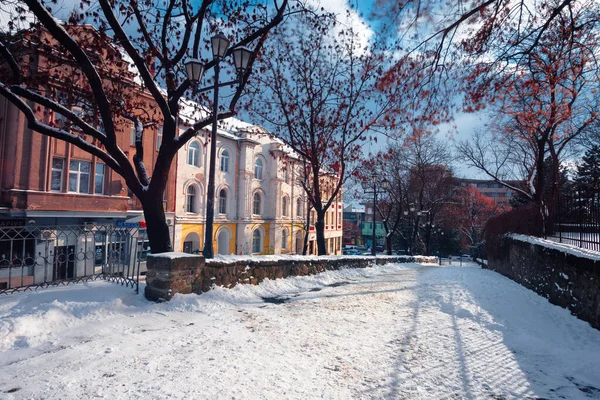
x: 259, y: 206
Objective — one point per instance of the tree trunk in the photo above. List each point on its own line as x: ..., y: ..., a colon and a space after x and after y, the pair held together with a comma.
x: 320, y: 230
x: 156, y: 222
x: 306, y: 231
x: 388, y: 244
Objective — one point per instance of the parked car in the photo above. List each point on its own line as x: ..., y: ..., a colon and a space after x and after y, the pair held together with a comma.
x: 351, y: 252
x: 467, y: 257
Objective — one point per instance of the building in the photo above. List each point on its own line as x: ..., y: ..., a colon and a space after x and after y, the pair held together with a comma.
x: 367, y: 227
x: 500, y: 194
x: 62, y: 204
x: 259, y: 206
x: 353, y: 223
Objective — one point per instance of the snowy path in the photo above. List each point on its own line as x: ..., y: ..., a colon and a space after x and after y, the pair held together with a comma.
x: 398, y: 332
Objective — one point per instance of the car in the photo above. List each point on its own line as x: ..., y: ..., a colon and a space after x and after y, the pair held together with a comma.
x: 467, y: 257
x: 352, y: 252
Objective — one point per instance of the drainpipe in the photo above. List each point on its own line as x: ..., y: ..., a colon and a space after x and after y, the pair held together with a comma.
x: 237, y: 191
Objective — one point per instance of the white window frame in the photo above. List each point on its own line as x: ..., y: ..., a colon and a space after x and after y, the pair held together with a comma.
x: 79, y: 174
x: 285, y: 174
x: 225, y: 161
x: 96, y: 175
x: 132, y: 134
x: 190, y: 200
x: 257, y: 239
x: 159, y: 137
x: 258, y: 169
x: 61, y: 171
x: 284, y: 239
x: 284, y: 206
x: 222, y: 202
x: 255, y: 202
x: 193, y: 154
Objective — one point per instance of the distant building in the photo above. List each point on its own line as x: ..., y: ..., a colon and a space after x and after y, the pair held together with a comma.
x: 367, y: 227
x: 353, y: 222
x: 492, y: 189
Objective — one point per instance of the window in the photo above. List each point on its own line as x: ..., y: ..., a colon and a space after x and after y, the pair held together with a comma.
x: 256, y: 204
x: 285, y: 175
x: 225, y: 161
x: 222, y: 202
x: 99, y: 179
x: 79, y: 176
x: 193, y: 152
x: 256, y: 242
x: 299, y: 207
x: 159, y: 137
x: 57, y: 174
x: 284, y: 206
x: 258, y: 169
x: 190, y: 200
x: 284, y: 239
x: 132, y: 134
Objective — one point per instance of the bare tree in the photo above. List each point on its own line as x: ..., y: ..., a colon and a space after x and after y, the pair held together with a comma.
x: 317, y: 92
x: 155, y: 37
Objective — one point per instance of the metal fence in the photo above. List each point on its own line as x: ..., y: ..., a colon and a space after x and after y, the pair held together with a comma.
x: 33, y: 257
x: 577, y: 221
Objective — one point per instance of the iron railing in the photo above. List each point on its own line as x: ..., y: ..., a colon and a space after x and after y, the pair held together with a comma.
x: 577, y: 220
x: 33, y: 257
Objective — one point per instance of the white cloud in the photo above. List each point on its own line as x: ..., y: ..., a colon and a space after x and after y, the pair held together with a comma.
x: 347, y: 18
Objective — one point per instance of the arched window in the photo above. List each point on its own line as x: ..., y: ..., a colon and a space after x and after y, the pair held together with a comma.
x: 284, y: 239
x: 256, y: 242
x: 284, y: 206
x: 299, y: 207
x: 222, y: 202
x: 193, y: 154
x: 285, y: 175
x: 256, y: 204
x: 224, y: 161
x: 258, y: 169
x: 190, y: 200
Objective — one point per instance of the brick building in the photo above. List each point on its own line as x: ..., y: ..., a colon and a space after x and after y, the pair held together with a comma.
x: 49, y: 183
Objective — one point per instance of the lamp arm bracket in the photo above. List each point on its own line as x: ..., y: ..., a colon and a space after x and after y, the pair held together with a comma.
x: 211, y: 87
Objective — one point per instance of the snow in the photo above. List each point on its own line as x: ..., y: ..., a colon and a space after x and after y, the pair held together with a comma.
x: 395, y: 331
x: 565, y: 248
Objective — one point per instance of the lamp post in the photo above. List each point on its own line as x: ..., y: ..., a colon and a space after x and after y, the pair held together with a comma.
x: 194, y: 69
x: 365, y: 185
x: 414, y: 223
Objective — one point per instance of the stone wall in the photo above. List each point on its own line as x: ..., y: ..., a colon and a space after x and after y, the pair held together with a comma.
x: 569, y: 280
x: 172, y: 273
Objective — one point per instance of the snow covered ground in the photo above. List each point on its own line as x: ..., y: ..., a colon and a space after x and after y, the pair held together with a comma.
x: 394, y: 332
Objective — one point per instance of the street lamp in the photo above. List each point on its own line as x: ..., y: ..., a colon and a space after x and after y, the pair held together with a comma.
x: 194, y: 69
x: 385, y: 184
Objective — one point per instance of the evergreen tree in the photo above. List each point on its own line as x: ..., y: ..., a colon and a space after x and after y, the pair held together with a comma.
x: 588, y: 172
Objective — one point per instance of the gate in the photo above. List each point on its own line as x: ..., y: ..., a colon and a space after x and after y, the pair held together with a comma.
x: 33, y: 257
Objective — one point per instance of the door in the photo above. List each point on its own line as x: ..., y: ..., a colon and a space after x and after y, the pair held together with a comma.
x: 223, y: 242
x: 64, y: 262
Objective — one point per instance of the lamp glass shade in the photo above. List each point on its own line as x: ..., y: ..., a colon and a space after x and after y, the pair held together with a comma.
x: 241, y: 58
x: 385, y: 183
x: 364, y: 185
x: 419, y: 213
x: 412, y: 209
x: 405, y: 212
x: 194, y: 70
x: 219, y: 45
